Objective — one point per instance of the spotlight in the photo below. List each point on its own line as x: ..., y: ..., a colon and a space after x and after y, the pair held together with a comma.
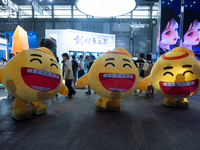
x: 119, y: 25
x: 131, y: 25
x: 153, y: 22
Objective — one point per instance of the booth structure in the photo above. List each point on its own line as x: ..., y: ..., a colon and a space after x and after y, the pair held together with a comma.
x: 4, y: 48
x: 77, y: 43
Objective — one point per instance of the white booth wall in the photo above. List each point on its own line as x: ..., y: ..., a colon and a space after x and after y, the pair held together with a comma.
x: 66, y: 42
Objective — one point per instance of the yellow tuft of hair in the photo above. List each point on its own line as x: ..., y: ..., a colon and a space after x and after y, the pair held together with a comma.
x: 46, y: 50
x: 182, y: 49
x: 123, y: 50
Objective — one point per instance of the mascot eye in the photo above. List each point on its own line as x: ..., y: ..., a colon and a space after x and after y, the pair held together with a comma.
x: 187, y: 72
x: 168, y: 73
x: 110, y: 64
x: 127, y: 65
x: 36, y: 60
x: 54, y: 65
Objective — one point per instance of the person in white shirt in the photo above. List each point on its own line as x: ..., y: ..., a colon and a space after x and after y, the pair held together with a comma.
x: 68, y: 75
x: 81, y: 67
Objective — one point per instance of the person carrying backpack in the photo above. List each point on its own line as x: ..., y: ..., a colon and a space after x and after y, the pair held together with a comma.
x: 147, y: 70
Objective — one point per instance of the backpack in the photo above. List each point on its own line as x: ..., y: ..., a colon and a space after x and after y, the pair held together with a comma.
x: 149, y: 68
x: 139, y: 66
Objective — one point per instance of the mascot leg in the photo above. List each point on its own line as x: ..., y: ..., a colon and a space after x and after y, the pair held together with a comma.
x: 38, y: 108
x: 114, y: 104
x: 20, y: 110
x: 171, y: 102
x: 183, y: 103
x: 101, y: 104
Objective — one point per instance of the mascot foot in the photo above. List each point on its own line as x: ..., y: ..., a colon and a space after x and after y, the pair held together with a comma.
x: 170, y: 102
x: 38, y: 108
x: 21, y: 113
x: 183, y: 103
x: 101, y: 104
x: 114, y: 105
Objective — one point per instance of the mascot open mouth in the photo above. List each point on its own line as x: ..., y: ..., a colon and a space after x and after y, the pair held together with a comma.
x: 40, y: 79
x: 117, y: 82
x: 179, y: 89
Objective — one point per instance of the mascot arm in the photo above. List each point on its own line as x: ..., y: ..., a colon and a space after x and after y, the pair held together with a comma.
x: 147, y: 80
x: 63, y: 90
x: 142, y: 85
x: 83, y: 81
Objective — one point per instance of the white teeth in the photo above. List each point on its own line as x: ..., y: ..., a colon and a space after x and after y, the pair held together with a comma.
x: 117, y: 90
x: 171, y: 84
x: 41, y: 88
x: 117, y: 75
x: 42, y: 72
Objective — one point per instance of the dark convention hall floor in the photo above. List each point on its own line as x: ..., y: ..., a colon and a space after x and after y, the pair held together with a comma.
x: 74, y: 124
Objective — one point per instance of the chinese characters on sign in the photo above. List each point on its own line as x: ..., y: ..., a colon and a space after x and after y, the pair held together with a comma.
x: 90, y: 41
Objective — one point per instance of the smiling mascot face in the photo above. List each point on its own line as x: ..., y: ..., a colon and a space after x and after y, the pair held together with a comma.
x: 114, y: 75
x: 176, y: 74
x: 33, y: 75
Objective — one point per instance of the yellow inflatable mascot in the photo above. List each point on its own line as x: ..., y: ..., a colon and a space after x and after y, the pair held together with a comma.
x: 175, y: 75
x: 32, y: 75
x: 113, y: 76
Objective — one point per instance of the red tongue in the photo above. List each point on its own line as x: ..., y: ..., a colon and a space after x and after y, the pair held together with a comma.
x: 40, y: 82
x: 116, y: 84
x: 179, y: 91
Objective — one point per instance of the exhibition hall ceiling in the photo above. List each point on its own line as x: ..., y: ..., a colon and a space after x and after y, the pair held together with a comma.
x: 62, y: 9
x: 67, y: 2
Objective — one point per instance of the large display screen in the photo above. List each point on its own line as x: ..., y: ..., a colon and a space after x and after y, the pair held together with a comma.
x: 169, y: 26
x: 191, y: 27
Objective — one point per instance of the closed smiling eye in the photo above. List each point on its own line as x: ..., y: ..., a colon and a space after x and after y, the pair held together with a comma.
x: 127, y: 65
x: 187, y: 72
x: 168, y: 73
x: 110, y: 64
x: 54, y: 65
x: 36, y: 60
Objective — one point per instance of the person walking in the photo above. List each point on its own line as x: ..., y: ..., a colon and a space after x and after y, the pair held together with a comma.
x: 68, y: 75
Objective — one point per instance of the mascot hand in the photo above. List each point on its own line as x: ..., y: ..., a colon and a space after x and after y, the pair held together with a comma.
x: 64, y: 90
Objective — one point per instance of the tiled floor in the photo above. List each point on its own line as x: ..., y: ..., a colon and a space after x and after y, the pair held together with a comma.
x: 74, y: 124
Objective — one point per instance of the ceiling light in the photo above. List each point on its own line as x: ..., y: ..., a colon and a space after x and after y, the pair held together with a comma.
x: 105, y: 8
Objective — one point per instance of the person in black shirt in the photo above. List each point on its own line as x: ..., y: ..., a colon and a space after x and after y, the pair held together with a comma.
x: 74, y: 68
x: 88, y: 68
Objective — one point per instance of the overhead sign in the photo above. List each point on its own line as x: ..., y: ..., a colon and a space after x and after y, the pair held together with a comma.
x: 5, y: 2
x: 37, y: 7
x: 89, y: 41
x: 12, y: 5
